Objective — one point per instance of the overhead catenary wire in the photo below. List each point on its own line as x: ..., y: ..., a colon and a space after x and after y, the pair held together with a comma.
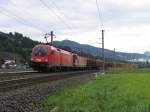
x: 59, y: 9
x: 59, y: 17
x: 62, y: 13
x: 19, y: 19
x: 100, y: 13
x: 28, y: 11
x: 12, y: 3
x: 102, y: 39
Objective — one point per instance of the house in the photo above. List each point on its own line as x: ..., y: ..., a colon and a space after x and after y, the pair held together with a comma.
x: 7, y: 60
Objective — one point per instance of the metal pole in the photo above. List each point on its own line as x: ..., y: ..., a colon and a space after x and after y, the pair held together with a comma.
x: 52, y: 36
x: 114, y: 58
x: 46, y: 38
x: 103, y: 52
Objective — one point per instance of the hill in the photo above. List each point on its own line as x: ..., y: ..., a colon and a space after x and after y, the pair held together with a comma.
x: 18, y: 45
x: 21, y: 46
x: 147, y: 53
x: 97, y: 52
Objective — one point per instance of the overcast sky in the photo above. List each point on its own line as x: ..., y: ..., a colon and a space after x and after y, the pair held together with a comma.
x: 126, y: 22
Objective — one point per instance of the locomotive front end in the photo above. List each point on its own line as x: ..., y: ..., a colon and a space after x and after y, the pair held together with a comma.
x: 39, y: 58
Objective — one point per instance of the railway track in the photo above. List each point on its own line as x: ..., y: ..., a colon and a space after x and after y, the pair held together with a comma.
x: 16, y: 75
x: 8, y: 85
x: 10, y: 74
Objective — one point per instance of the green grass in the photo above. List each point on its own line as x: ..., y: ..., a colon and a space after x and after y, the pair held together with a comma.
x: 112, y: 92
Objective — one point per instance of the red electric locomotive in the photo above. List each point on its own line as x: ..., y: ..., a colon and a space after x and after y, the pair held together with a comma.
x: 49, y: 58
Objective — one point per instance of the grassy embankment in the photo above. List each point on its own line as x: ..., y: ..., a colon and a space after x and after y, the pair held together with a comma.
x: 112, y: 92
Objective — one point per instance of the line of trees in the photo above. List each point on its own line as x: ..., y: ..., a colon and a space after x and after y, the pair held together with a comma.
x: 20, y: 46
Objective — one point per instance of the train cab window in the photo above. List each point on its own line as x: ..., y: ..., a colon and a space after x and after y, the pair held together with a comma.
x: 58, y: 49
x: 52, y: 52
x: 39, y: 51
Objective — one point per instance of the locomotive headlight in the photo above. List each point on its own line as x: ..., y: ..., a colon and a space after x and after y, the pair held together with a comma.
x: 46, y: 60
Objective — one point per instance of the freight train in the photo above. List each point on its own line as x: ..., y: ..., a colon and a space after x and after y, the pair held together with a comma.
x: 49, y: 58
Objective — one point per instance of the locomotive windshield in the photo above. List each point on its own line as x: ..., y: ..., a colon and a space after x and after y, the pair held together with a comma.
x: 39, y: 51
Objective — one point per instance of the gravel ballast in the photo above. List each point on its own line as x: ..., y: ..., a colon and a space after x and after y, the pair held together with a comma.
x: 28, y: 99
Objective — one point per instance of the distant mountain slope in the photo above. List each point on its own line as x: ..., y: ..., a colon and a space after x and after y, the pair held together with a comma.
x: 147, y: 53
x: 98, y: 52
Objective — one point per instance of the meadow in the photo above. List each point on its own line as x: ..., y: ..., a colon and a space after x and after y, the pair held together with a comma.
x: 111, y: 92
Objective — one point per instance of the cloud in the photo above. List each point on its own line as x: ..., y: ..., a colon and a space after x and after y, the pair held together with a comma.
x: 126, y: 22
x: 129, y: 3
x: 133, y: 38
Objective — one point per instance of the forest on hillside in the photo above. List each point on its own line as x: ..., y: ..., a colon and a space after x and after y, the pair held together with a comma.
x: 20, y: 46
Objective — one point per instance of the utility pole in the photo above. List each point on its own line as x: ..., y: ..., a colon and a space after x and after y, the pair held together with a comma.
x: 114, y: 58
x: 103, y: 52
x: 46, y: 35
x: 51, y: 34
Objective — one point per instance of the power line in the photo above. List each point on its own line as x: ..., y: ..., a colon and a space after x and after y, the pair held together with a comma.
x: 59, y: 17
x: 52, y: 35
x: 19, y: 19
x: 102, y: 39
x: 100, y: 14
x: 43, y: 4
x: 103, y: 51
x: 27, y: 10
x: 12, y: 16
x: 11, y: 2
x: 56, y: 6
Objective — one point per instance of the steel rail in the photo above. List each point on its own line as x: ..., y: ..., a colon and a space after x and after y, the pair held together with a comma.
x: 8, y: 85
